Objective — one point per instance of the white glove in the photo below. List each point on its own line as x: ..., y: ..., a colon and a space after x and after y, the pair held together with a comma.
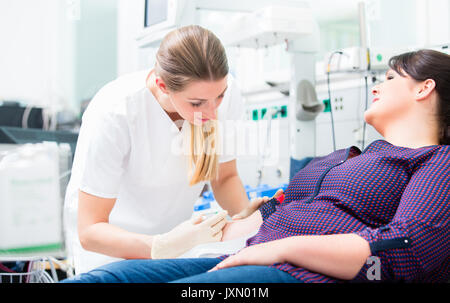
x: 187, y: 235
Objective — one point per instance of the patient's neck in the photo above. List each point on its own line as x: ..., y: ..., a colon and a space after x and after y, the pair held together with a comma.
x: 411, y: 134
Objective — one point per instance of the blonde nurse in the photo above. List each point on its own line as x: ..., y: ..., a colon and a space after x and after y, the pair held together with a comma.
x: 148, y: 143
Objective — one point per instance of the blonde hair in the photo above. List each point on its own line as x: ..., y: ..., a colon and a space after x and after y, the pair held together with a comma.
x: 186, y: 55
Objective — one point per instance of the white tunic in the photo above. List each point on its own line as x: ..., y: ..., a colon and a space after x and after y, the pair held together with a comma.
x: 129, y: 149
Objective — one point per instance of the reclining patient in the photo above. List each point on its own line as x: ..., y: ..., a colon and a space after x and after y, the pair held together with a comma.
x: 378, y: 214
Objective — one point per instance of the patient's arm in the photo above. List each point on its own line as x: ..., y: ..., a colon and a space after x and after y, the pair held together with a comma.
x: 239, y: 228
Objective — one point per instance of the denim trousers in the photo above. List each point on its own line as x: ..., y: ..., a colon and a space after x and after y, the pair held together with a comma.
x: 180, y: 271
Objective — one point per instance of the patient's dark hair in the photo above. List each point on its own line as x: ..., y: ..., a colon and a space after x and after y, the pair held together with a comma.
x: 429, y: 64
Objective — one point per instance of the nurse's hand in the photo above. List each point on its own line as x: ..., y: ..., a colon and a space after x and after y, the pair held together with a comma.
x: 255, y: 204
x: 187, y: 235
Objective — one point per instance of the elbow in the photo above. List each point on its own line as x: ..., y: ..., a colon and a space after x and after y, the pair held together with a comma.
x: 353, y: 269
x: 84, y: 239
x: 350, y: 275
x: 344, y: 272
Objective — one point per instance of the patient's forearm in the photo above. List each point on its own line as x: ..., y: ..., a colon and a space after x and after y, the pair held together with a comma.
x: 340, y: 256
x: 239, y: 228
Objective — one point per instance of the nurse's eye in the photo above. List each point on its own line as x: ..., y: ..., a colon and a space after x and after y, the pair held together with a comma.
x: 389, y: 77
x: 197, y: 104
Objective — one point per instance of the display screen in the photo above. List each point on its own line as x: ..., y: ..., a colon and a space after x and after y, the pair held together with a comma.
x: 155, y: 11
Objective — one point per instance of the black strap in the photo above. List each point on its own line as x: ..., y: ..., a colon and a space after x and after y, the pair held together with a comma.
x: 390, y: 244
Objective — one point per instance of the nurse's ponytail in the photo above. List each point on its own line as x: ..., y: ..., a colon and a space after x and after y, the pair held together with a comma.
x: 186, y: 55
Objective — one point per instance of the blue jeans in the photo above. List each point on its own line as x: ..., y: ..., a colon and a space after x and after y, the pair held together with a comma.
x: 180, y: 271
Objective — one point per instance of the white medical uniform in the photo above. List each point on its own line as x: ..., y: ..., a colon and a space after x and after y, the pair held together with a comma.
x: 129, y: 149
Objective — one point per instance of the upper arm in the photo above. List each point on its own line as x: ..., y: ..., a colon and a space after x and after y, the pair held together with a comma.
x: 106, y: 151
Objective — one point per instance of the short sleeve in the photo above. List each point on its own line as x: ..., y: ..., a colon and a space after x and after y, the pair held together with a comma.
x: 106, y: 154
x: 230, y: 122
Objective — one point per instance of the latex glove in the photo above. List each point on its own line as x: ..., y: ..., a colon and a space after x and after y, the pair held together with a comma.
x: 255, y: 204
x: 187, y: 235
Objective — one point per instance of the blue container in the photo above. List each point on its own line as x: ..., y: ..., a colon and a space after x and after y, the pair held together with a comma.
x: 202, y: 206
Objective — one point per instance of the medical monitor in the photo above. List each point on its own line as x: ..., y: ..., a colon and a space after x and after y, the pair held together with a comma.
x: 155, y: 12
x: 160, y: 16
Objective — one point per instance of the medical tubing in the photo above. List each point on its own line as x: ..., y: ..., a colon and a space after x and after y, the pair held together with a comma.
x: 365, y: 109
x: 6, y: 269
x: 329, y: 96
x: 53, y: 270
x: 26, y: 115
x: 331, y: 112
x: 266, y: 142
x: 30, y: 265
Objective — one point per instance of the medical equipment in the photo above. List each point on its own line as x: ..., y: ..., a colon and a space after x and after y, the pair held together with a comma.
x: 15, y: 115
x: 17, y: 135
x: 162, y: 16
x: 31, y: 202
x: 263, y: 190
x: 26, y: 270
x: 267, y: 149
x: 207, y: 205
x: 270, y: 26
x: 363, y: 62
x: 351, y: 59
x: 297, y: 29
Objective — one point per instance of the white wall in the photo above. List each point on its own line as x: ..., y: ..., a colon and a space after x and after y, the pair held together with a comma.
x: 31, y: 54
x: 95, y: 47
x: 130, y: 23
x: 438, y: 29
x: 56, y: 53
x: 408, y: 23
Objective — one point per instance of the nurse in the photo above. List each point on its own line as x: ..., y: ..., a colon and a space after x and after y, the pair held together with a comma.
x: 148, y: 143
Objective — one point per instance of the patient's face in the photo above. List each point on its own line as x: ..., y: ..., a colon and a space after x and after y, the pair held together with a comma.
x: 392, y: 100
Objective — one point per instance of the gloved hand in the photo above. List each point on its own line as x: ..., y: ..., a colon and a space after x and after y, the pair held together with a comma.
x: 255, y: 204
x: 188, y: 234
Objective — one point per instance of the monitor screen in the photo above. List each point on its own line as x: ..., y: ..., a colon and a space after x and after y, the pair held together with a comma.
x: 156, y: 11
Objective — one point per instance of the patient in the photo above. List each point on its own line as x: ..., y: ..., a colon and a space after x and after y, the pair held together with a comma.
x: 380, y: 214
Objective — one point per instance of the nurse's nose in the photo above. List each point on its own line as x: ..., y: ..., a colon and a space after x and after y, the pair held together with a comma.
x: 211, y: 110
